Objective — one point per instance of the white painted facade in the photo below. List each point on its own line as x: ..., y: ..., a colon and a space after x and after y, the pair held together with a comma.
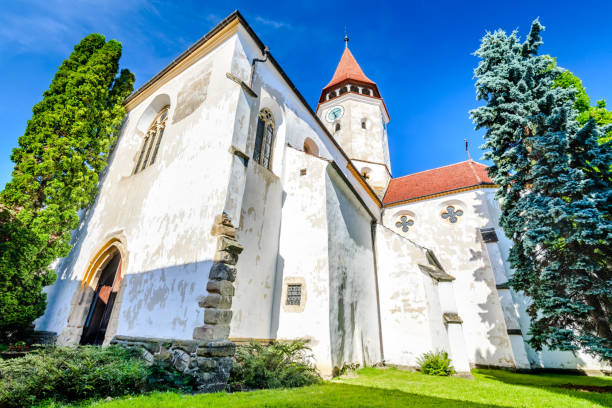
x: 370, y: 292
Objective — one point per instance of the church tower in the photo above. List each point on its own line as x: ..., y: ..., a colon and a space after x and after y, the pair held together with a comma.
x: 355, y: 114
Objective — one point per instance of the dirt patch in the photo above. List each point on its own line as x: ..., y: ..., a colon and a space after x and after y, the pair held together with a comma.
x: 587, y: 388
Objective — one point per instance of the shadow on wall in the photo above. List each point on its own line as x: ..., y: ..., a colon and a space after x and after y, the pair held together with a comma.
x: 161, y: 303
x: 497, y: 329
x: 491, y: 308
x: 353, y: 312
x: 278, y: 290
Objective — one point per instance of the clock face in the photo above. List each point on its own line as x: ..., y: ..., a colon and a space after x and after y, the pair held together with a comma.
x: 335, y: 113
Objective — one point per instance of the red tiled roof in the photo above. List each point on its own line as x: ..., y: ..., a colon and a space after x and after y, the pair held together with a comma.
x: 452, y: 177
x: 348, y: 68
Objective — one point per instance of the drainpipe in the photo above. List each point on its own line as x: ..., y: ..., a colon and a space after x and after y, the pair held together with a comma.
x: 266, y: 52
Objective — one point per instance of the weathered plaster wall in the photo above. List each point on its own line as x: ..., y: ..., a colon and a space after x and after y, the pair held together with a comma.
x: 411, y: 316
x: 368, y: 147
x: 164, y: 214
x: 355, y: 336
x: 303, y: 257
x: 363, y: 144
x: 282, y: 201
x: 462, y: 253
x: 258, y: 233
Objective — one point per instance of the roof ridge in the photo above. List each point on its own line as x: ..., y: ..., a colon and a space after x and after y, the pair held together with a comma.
x: 435, y: 168
x: 470, y: 161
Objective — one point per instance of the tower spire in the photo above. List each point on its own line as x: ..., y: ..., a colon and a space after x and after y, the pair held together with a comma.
x: 346, y: 39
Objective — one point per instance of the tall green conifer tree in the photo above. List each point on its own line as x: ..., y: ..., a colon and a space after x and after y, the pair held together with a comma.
x: 58, y: 162
x: 555, y: 191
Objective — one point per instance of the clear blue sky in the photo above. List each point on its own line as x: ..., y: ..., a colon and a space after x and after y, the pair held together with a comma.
x: 419, y: 53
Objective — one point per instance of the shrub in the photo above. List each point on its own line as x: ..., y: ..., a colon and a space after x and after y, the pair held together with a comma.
x: 279, y: 364
x: 436, y: 363
x: 71, y: 374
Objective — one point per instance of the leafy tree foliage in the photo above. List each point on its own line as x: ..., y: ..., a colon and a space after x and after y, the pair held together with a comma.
x: 58, y: 162
x: 555, y: 191
x: 599, y: 112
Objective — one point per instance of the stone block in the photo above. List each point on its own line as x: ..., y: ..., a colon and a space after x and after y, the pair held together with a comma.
x: 220, y: 229
x: 452, y: 318
x: 207, y: 363
x: 216, y: 301
x: 217, y: 316
x: 222, y: 287
x: 217, y: 349
x: 211, y: 332
x: 228, y: 244
x: 225, y: 257
x: 223, y: 219
x: 221, y: 271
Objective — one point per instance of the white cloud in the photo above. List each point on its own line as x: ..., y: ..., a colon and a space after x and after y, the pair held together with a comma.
x: 272, y: 23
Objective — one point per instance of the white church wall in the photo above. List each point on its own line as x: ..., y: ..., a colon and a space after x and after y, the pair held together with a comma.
x: 460, y: 250
x: 411, y: 317
x: 303, y: 258
x: 355, y: 335
x: 300, y: 122
x: 257, y: 305
x: 164, y: 213
x: 258, y: 233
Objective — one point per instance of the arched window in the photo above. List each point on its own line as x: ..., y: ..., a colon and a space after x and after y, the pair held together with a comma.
x: 364, y: 123
x: 365, y: 91
x: 343, y: 90
x: 152, y: 140
x: 264, y: 138
x: 337, y: 129
x: 354, y: 88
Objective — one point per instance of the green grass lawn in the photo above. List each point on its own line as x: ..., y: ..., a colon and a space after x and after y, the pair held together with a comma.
x: 373, y: 387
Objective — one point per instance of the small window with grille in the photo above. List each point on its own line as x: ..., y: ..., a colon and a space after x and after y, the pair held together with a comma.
x: 488, y: 235
x: 294, y: 294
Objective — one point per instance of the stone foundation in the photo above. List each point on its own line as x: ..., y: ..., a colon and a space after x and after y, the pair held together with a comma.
x: 210, y: 362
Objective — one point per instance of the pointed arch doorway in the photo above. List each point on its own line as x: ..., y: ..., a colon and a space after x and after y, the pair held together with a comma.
x: 101, y: 307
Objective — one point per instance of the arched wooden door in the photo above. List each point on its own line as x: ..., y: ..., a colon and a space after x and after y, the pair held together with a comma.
x: 101, y: 307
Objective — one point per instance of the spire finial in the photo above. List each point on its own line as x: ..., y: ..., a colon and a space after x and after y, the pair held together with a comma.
x: 345, y: 38
x: 466, y: 149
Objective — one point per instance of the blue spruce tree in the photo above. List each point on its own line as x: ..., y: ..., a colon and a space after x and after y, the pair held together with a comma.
x: 555, y: 193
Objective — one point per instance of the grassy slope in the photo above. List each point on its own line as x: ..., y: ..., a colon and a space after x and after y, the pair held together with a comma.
x: 393, y: 388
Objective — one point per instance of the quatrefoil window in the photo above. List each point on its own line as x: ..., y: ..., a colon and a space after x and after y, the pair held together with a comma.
x: 404, y: 223
x: 451, y: 214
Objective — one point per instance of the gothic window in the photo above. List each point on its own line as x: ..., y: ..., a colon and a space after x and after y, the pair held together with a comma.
x: 337, y: 128
x: 152, y: 140
x: 451, y: 214
x: 403, y: 223
x: 264, y: 138
x: 294, y: 295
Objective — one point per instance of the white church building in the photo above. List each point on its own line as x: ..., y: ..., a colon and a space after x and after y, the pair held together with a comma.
x: 231, y: 211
